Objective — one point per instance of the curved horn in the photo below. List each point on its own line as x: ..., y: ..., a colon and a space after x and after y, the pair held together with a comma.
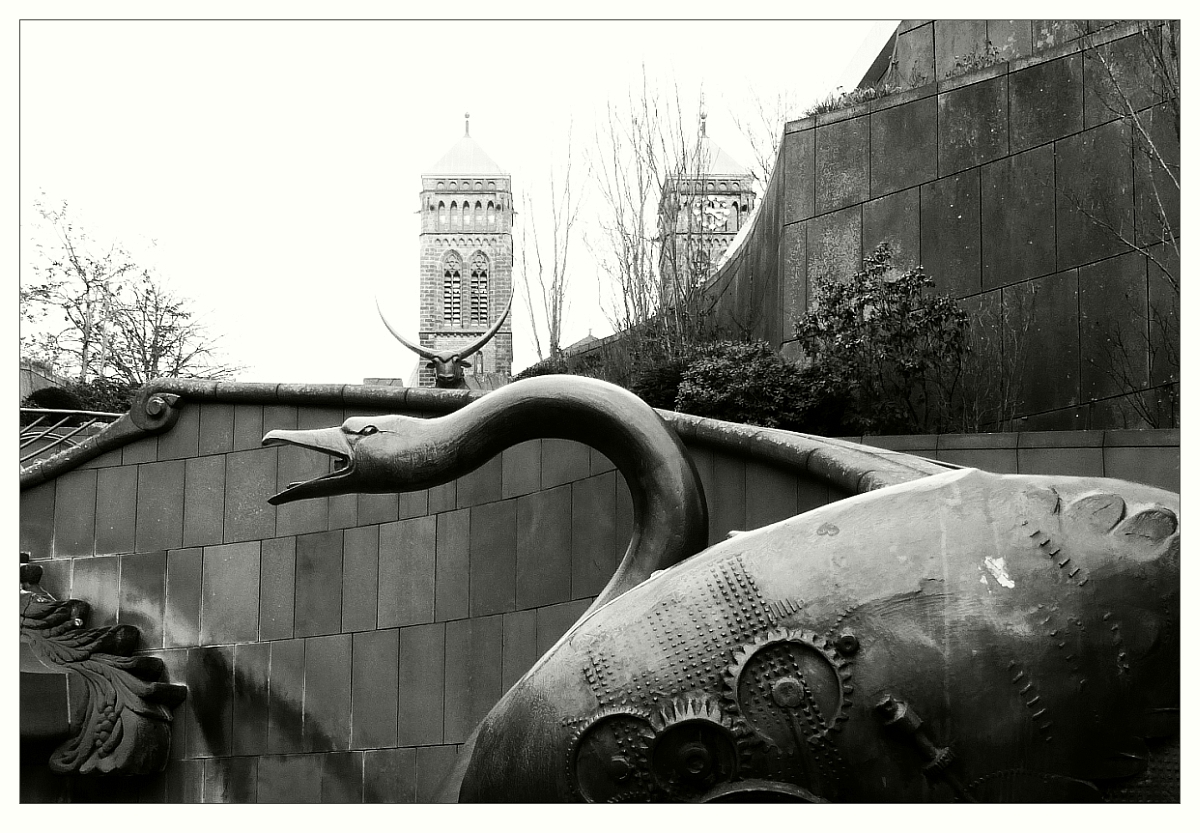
x: 486, y: 337
x: 416, y: 348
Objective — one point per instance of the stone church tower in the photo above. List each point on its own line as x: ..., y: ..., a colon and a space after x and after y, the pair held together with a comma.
x: 702, y: 210
x: 466, y: 259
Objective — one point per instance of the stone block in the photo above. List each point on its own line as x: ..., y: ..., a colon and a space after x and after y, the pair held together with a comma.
x: 799, y: 175
x: 521, y: 469
x: 182, y: 439
x: 1051, y: 305
x: 903, y: 144
x: 289, y: 779
x: 247, y: 427
x: 56, y: 576
x: 957, y: 43
x: 422, y: 676
x: 230, y: 781
x: 375, y: 686
x: 319, y: 583
x: 183, y: 722
x: 770, y: 495
x: 481, y: 485
x: 1152, y: 466
x: 599, y: 464
x: 209, y: 679
x: 360, y: 578
x: 407, y: 564
x: 896, y: 220
x: 834, y: 247
x: 1156, y: 176
x: 216, y: 428
x: 555, y: 620
x: 1113, y: 327
x: 843, y: 163
x: 474, y: 650
x: 229, y: 603
x: 343, y: 511
x: 593, y: 533
x: 412, y: 504
x: 519, y: 646
x: 37, y: 520
x: 75, y: 514
x: 143, y: 581
x: 453, y: 565
x: 433, y: 765
x: 563, y: 461
x: 342, y: 778
x: 998, y: 460
x: 277, y: 589
x: 251, y: 697
x: 794, y: 286
x: 443, y: 498
x: 390, y: 776
x: 1051, y: 33
x: 624, y: 522
x: 327, y: 671
x: 972, y: 125
x: 727, y: 500
x: 140, y: 451
x: 1118, y: 78
x: 378, y: 509
x: 1045, y: 102
x: 96, y: 581
x: 203, y: 501
x: 185, y: 569
x: 1076, y: 462
x: 493, y: 558
x: 297, y: 465
x: 249, y: 481
x: 285, y: 711
x: 950, y: 238
x: 185, y: 783
x: 116, y: 509
x: 544, y: 547
x: 1163, y: 275
x: 1011, y: 38
x: 915, y: 56
x: 160, y: 506
x: 1094, y: 194
x: 1018, y: 217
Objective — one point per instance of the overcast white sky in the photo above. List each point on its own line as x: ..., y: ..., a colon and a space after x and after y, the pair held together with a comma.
x: 270, y: 169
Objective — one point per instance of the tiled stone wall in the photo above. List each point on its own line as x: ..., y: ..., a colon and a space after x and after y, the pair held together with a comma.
x: 339, y: 649
x: 980, y: 178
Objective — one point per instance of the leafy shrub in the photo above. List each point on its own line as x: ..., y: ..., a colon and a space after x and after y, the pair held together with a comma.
x: 106, y: 395
x: 658, y: 384
x: 744, y: 382
x: 888, y: 354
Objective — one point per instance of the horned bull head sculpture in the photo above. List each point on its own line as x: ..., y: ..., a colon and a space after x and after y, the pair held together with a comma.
x: 448, y: 365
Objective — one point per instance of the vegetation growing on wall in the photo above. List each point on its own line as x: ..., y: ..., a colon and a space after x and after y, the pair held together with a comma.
x: 893, y: 351
x: 840, y: 98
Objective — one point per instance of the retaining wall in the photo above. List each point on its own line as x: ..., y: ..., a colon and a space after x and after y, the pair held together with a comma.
x: 1000, y: 182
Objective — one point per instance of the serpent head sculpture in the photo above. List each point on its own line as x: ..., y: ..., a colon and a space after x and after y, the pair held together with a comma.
x: 963, y: 636
x: 447, y: 365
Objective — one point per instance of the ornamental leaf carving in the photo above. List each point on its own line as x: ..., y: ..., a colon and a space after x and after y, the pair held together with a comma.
x: 127, y: 710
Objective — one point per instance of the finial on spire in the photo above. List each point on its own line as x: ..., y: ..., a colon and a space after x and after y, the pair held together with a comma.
x: 467, y: 117
x: 703, y: 125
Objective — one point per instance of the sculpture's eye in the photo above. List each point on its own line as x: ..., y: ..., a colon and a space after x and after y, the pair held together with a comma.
x: 368, y: 430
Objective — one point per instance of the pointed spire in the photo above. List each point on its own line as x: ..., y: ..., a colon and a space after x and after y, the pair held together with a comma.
x: 467, y: 119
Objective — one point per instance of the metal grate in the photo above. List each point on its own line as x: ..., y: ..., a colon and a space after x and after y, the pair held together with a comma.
x: 46, y: 432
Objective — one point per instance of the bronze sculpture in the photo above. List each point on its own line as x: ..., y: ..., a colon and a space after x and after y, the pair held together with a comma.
x: 965, y: 636
x: 447, y: 365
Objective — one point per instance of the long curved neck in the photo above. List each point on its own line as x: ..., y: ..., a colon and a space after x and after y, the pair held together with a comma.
x: 670, y: 516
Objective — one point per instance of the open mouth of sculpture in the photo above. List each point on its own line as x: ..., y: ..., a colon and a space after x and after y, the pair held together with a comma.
x: 329, y: 441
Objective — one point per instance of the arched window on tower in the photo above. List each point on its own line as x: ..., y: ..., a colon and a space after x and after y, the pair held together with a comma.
x: 452, y: 288
x: 441, y: 215
x: 454, y: 216
x: 479, y: 289
x: 491, y: 209
x: 478, y: 221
